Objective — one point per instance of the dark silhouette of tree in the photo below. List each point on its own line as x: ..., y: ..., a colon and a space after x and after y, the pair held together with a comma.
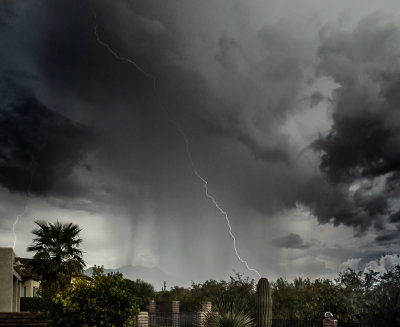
x: 56, y: 248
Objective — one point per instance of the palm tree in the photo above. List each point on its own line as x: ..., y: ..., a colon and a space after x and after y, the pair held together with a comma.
x: 57, y: 250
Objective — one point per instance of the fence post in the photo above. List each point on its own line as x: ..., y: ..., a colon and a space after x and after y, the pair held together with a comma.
x: 175, y: 313
x: 205, y: 307
x: 143, y: 319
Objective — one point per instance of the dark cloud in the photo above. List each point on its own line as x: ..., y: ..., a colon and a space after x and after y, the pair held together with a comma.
x: 5, y: 12
x: 388, y: 237
x: 395, y: 218
x: 291, y: 241
x: 39, y: 149
x: 245, y: 92
x: 359, y: 156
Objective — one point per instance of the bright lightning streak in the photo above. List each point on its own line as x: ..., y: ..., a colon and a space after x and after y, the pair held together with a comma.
x: 13, y: 230
x: 183, y: 134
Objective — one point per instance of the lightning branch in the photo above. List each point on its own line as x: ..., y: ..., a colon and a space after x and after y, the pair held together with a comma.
x: 181, y: 132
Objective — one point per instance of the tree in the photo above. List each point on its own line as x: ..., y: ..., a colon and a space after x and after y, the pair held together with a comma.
x: 239, y: 287
x: 385, y: 307
x: 356, y: 291
x: 102, y: 302
x: 303, y: 299
x: 141, y: 289
x: 56, y: 248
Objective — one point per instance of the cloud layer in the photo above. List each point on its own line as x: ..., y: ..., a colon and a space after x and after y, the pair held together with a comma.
x: 359, y: 157
x: 290, y: 115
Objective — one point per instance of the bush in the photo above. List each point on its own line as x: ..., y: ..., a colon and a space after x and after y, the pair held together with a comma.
x: 228, y: 312
x: 101, y: 302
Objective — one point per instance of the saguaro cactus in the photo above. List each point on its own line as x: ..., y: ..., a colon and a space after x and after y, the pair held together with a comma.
x: 263, y: 303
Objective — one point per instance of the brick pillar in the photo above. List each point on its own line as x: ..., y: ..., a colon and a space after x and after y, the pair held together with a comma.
x: 175, y: 314
x: 152, y: 306
x: 205, y: 307
x: 329, y: 322
x: 143, y: 319
x: 175, y: 306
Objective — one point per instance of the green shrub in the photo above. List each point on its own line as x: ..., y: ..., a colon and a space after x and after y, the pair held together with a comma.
x: 101, y: 302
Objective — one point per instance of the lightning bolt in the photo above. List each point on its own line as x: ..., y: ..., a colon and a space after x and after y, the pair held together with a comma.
x: 13, y: 230
x: 14, y: 225
x: 181, y: 132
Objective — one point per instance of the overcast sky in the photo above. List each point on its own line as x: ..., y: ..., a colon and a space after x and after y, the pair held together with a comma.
x: 113, y: 114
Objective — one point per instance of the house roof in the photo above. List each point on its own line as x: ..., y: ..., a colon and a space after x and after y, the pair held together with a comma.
x: 24, y: 269
x: 22, y: 266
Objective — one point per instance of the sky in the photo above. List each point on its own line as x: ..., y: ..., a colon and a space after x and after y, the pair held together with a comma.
x: 117, y: 115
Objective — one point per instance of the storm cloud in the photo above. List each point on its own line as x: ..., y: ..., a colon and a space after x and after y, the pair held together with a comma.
x: 291, y: 241
x: 359, y: 155
x: 39, y: 149
x: 289, y: 111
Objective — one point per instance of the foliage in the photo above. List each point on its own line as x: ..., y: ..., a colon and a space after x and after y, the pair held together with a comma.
x: 356, y: 294
x: 176, y: 293
x: 102, y: 302
x: 303, y: 299
x: 56, y: 248
x: 228, y: 312
x: 385, y: 307
x: 352, y: 297
x: 239, y: 287
x: 139, y: 288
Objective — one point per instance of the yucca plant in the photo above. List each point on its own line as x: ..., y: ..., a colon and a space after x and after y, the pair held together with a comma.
x: 228, y: 312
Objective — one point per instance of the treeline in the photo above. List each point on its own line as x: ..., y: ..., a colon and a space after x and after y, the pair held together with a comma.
x: 351, y: 297
x: 69, y: 299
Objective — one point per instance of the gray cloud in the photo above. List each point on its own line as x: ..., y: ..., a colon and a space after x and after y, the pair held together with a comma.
x: 388, y: 237
x: 359, y: 156
x: 247, y: 93
x: 290, y: 241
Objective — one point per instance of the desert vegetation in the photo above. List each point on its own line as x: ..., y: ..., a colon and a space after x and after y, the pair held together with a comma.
x: 71, y: 299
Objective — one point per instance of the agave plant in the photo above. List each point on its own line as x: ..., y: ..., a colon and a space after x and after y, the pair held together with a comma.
x: 228, y: 312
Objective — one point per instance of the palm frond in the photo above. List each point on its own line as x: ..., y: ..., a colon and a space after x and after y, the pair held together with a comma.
x: 56, y: 248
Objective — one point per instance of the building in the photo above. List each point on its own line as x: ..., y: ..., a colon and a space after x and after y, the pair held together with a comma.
x: 17, y: 280
x: 10, y: 282
x: 30, y: 281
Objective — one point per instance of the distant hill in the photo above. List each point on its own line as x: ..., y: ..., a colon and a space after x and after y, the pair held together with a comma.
x: 154, y: 276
